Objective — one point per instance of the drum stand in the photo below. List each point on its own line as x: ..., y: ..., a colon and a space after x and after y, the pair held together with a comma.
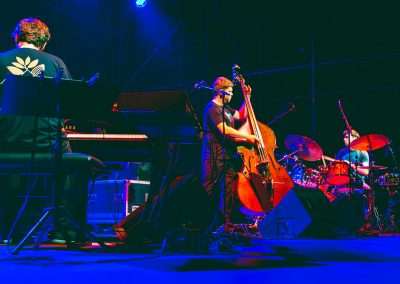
x: 390, y: 216
x: 373, y: 217
x: 391, y: 219
x: 373, y: 214
x: 288, y: 156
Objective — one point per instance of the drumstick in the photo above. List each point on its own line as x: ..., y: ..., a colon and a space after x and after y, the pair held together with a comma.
x: 328, y: 158
x: 323, y: 160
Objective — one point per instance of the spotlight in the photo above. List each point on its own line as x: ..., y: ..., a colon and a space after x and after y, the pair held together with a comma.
x: 141, y: 3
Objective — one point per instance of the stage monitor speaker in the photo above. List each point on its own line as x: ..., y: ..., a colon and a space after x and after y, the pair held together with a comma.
x: 183, y: 202
x: 301, y: 213
x: 111, y: 200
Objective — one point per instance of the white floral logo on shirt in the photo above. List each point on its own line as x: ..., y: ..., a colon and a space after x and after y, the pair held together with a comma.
x: 22, y: 66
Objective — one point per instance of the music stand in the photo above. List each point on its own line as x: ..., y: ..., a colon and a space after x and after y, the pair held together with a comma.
x: 58, y: 98
x: 167, y: 117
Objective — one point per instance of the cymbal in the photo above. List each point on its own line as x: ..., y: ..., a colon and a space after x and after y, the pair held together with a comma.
x: 369, y: 142
x: 307, y: 148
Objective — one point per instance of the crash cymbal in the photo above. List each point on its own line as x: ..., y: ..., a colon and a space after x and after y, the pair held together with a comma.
x: 369, y: 142
x: 307, y: 148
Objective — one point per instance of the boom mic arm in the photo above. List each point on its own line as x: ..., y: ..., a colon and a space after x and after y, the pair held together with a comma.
x: 288, y: 108
x: 204, y: 85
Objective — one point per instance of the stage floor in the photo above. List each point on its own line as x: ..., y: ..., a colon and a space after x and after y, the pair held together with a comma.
x: 346, y: 260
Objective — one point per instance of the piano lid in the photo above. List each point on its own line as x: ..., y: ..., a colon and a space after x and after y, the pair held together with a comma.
x: 167, y: 115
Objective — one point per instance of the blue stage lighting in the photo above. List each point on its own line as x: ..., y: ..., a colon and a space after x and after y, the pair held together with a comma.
x: 141, y: 3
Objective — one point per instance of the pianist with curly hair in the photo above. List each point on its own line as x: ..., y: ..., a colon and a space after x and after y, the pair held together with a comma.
x: 27, y: 134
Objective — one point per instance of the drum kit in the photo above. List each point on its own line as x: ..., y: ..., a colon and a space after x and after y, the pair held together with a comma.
x: 335, y: 177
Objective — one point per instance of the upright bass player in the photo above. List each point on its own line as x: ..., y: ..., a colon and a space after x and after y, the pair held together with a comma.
x: 220, y: 162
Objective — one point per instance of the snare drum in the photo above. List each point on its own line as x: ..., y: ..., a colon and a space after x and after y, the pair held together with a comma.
x: 338, y: 173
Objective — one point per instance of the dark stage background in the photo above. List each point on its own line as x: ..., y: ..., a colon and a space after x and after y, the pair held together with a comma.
x: 309, y: 53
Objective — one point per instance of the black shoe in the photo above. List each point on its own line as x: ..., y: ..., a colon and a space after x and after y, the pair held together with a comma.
x: 367, y: 233
x: 79, y: 245
x: 66, y: 236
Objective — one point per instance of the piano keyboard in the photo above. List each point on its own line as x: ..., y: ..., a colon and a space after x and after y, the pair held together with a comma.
x: 108, y: 137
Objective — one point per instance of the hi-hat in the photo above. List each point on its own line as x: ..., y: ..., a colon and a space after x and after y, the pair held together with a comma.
x: 369, y: 142
x: 307, y: 148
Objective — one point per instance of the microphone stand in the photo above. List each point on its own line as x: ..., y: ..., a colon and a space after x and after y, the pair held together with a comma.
x: 202, y: 85
x: 373, y: 214
x: 282, y: 114
x: 390, y: 215
x: 351, y: 184
x: 223, y: 189
x: 393, y: 156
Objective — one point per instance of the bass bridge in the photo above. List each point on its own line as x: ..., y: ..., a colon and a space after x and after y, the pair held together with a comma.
x: 262, y: 168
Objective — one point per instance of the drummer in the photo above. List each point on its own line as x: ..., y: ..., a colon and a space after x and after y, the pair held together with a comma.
x: 358, y: 160
x: 356, y: 192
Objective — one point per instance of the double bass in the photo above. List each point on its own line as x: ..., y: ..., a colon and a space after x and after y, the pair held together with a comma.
x: 262, y: 182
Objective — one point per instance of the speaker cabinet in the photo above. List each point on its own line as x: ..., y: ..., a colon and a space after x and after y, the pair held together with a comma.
x: 111, y: 200
x: 301, y: 213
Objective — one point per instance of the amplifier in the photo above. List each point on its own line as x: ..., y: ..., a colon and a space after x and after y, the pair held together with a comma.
x: 111, y: 200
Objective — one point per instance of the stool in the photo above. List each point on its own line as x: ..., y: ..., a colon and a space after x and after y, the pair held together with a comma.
x: 44, y: 164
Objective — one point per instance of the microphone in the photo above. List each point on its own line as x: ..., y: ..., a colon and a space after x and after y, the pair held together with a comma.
x: 288, y: 108
x: 291, y: 107
x: 200, y: 85
x: 93, y: 79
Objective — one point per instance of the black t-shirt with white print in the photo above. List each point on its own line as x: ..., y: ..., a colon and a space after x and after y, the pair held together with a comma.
x: 17, y: 132
x: 213, y: 145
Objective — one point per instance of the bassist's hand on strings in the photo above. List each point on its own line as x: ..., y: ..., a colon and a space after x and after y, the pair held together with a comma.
x: 248, y: 90
x: 252, y: 139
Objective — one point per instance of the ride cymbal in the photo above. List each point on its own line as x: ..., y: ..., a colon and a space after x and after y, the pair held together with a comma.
x: 369, y: 142
x: 307, y: 148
